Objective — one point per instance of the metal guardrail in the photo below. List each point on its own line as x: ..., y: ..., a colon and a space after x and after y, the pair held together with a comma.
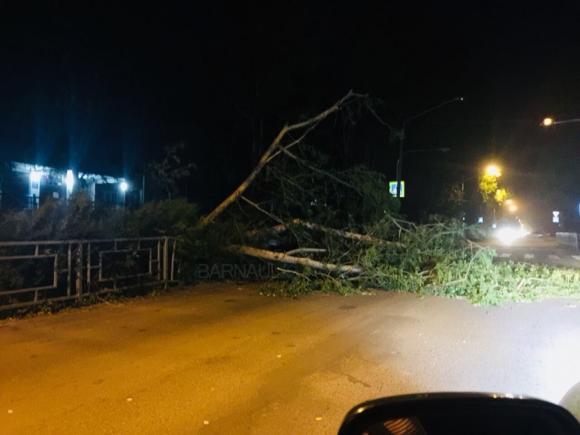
x: 568, y: 239
x: 36, y: 272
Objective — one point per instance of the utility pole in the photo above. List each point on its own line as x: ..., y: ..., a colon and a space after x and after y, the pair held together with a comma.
x: 401, y: 135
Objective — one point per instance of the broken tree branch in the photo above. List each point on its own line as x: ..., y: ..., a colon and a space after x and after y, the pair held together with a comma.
x: 318, y: 170
x: 267, y: 213
x: 265, y: 158
x: 365, y: 238
x: 294, y: 142
x: 281, y: 257
x: 305, y: 251
x: 293, y: 272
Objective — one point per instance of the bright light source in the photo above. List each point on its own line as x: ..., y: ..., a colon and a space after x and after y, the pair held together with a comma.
x: 493, y: 170
x: 35, y: 176
x: 511, y: 205
x: 556, y: 217
x: 480, y: 220
x: 548, y: 122
x: 123, y: 186
x: 69, y: 180
x: 507, y: 235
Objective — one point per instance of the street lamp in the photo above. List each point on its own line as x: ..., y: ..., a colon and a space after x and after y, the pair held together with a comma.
x: 400, y: 134
x: 511, y: 205
x: 549, y: 121
x: 493, y: 170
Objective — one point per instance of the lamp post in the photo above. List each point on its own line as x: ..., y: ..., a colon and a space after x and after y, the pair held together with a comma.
x: 549, y: 121
x: 400, y: 134
x: 493, y: 170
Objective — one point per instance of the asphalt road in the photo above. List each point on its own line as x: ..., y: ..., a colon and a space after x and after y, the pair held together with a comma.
x: 541, y: 250
x: 223, y: 359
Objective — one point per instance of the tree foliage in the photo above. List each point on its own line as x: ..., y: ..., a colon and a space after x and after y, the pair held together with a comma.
x: 171, y: 170
x: 79, y: 218
x: 310, y: 187
x: 488, y: 185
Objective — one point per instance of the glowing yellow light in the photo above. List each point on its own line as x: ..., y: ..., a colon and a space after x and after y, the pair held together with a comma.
x: 547, y: 122
x: 493, y: 170
x: 512, y: 208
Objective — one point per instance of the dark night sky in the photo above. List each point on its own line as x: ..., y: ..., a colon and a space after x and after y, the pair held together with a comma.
x: 104, y: 88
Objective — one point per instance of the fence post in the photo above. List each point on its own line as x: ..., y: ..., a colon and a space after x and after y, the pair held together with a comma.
x: 89, y: 266
x: 158, y: 262
x: 79, y: 270
x: 165, y: 260
x: 68, y: 268
x: 172, y: 275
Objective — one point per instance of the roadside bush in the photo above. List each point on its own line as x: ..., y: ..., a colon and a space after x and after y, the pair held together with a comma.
x: 80, y: 219
x: 174, y: 217
x: 477, y: 232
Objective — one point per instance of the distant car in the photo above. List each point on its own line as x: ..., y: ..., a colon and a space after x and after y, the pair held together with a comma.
x: 510, y: 229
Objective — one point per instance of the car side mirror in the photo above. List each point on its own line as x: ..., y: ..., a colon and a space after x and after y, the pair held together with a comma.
x: 458, y: 413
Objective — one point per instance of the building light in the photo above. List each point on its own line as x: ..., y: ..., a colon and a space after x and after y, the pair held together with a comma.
x: 35, y: 176
x: 69, y: 180
x: 123, y: 186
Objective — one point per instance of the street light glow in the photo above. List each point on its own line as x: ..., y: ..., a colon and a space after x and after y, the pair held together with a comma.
x: 548, y: 122
x: 493, y: 170
x: 69, y: 180
x: 35, y: 176
x: 511, y: 205
x: 123, y: 186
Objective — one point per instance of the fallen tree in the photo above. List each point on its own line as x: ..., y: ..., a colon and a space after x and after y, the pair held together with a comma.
x: 365, y: 238
x: 276, y: 148
x: 286, y: 258
x: 329, y: 226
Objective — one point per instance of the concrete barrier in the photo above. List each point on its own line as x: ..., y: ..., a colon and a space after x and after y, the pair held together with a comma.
x: 569, y: 239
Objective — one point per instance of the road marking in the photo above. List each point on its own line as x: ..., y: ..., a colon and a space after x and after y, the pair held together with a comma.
x: 576, y: 257
x: 553, y: 257
x: 505, y: 255
x: 529, y: 256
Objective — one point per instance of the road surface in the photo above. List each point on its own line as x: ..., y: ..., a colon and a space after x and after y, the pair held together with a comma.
x: 541, y: 250
x: 224, y: 359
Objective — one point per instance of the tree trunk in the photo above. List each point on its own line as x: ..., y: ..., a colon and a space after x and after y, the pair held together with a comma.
x: 271, y: 153
x: 277, y: 229
x: 281, y: 257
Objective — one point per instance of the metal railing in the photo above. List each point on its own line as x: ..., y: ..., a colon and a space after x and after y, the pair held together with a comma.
x: 36, y: 272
